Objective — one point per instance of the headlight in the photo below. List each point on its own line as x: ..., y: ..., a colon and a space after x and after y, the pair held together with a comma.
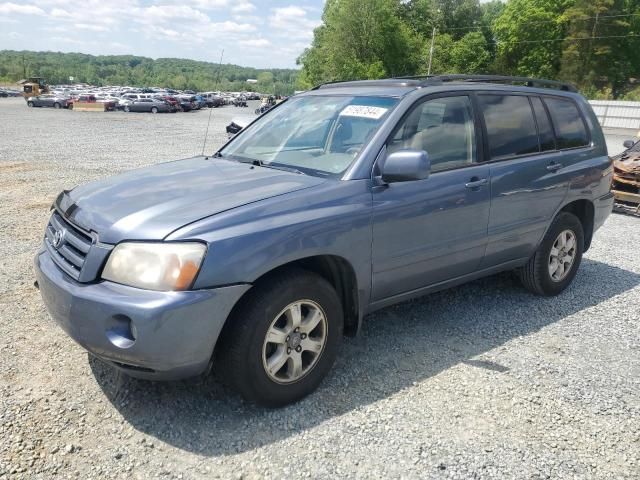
x: 155, y: 266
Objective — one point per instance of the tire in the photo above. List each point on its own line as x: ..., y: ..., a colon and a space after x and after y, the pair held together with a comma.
x: 536, y: 275
x: 154, y: 109
x: 29, y: 104
x: 70, y: 106
x: 126, y: 108
x: 244, y: 350
x: 56, y: 105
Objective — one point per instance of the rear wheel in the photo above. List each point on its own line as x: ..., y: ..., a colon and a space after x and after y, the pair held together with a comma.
x: 154, y: 109
x: 282, y: 341
x: 555, y: 264
x: 126, y: 108
x: 56, y: 105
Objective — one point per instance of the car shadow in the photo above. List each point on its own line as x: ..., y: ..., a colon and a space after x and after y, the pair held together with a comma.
x: 399, y: 345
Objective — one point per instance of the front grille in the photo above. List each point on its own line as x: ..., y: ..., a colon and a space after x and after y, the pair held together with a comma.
x: 67, y: 244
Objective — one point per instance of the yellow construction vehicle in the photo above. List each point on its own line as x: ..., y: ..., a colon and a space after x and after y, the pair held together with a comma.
x: 33, y: 86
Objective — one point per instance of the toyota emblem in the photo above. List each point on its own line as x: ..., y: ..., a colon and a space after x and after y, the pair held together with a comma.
x: 58, y: 238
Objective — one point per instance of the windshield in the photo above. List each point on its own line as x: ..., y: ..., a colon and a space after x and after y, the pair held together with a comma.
x: 313, y: 134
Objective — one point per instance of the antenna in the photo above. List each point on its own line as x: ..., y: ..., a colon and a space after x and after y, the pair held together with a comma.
x: 206, y: 133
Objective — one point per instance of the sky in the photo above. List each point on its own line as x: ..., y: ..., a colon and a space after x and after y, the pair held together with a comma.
x: 256, y: 33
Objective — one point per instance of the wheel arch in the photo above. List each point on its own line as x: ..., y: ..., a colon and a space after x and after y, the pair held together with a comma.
x: 338, y: 272
x: 585, y: 211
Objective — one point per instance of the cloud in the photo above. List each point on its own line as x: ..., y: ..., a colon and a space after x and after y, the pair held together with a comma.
x: 209, y: 4
x: 91, y: 27
x: 168, y: 13
x: 246, y: 29
x: 9, y: 8
x: 243, y: 7
x: 292, y: 22
x: 256, y: 42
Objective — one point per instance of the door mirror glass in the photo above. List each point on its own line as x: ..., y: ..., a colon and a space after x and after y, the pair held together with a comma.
x: 629, y: 143
x: 406, y: 166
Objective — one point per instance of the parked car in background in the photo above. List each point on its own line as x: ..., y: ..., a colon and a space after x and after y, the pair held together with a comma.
x: 213, y: 99
x: 200, y: 101
x: 342, y: 200
x: 49, y: 100
x: 91, y: 98
x: 240, y: 101
x: 186, y: 103
x: 173, y: 101
x: 152, y: 105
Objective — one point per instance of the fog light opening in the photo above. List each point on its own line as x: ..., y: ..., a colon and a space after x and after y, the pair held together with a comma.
x: 121, y: 331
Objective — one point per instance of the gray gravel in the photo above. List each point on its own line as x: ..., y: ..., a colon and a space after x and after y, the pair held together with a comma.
x: 482, y: 381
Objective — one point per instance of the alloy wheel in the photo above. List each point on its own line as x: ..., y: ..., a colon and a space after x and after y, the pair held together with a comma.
x: 294, y: 341
x: 562, y: 255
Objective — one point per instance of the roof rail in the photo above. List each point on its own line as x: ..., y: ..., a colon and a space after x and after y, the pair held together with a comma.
x: 430, y: 80
x: 383, y: 82
x: 529, y: 82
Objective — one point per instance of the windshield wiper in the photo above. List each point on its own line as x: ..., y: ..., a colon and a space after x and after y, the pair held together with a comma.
x: 260, y: 163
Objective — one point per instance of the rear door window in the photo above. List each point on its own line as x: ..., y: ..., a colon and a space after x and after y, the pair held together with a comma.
x: 545, y: 131
x: 511, y: 129
x: 567, y: 121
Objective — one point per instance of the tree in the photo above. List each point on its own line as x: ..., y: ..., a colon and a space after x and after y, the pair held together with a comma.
x: 598, y: 62
x: 139, y: 71
x: 529, y: 35
x: 361, y: 40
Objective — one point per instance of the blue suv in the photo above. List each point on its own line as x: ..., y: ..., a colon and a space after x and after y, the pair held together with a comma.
x: 256, y: 260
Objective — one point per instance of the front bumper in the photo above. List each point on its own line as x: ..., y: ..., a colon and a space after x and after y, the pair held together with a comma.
x: 147, y: 334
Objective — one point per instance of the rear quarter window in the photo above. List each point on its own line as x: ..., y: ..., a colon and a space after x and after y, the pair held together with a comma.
x: 511, y: 128
x: 568, y: 123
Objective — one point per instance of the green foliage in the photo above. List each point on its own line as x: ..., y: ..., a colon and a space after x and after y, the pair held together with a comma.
x: 533, y: 38
x: 176, y: 73
x: 361, y: 40
x: 592, y: 62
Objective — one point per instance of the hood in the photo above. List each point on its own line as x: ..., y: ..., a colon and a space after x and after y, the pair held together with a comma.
x: 151, y: 202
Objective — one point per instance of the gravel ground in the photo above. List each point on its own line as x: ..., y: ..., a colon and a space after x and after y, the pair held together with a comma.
x: 482, y: 381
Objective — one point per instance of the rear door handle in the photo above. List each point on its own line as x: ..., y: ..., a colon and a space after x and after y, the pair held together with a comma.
x: 476, y: 182
x: 554, y: 167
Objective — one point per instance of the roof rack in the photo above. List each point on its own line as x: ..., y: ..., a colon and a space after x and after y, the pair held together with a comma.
x: 383, y: 82
x: 529, y: 82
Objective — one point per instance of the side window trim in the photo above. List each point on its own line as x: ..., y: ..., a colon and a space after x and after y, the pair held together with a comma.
x: 535, y: 121
x: 478, y: 137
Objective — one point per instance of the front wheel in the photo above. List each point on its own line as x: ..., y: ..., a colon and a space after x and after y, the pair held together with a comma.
x: 29, y: 104
x: 282, y: 341
x: 154, y: 110
x: 127, y: 109
x: 555, y: 263
x: 56, y: 105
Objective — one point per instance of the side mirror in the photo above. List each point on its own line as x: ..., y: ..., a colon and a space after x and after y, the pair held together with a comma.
x: 628, y: 143
x: 406, y: 166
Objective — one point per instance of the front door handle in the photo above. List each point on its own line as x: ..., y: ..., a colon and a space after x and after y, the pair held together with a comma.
x: 475, y: 183
x: 554, y: 166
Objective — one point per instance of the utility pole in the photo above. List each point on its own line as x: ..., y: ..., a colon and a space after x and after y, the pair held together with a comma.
x: 433, y: 39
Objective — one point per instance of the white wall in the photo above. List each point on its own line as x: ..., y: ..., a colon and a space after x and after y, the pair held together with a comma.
x: 613, y: 114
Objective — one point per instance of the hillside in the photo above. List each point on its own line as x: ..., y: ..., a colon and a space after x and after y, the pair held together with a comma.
x: 178, y: 73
